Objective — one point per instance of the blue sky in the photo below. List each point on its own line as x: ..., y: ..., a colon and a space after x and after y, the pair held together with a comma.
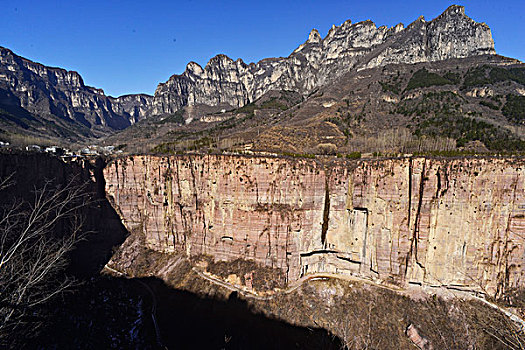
x: 130, y: 46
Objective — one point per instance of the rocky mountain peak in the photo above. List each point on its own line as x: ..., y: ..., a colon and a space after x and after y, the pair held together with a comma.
x: 418, y: 23
x: 398, y: 27
x: 194, y: 68
x: 455, y: 9
x: 318, y: 61
x: 314, y: 37
x: 71, y: 107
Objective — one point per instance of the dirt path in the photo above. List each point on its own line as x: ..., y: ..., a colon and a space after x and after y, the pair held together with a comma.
x: 298, y: 283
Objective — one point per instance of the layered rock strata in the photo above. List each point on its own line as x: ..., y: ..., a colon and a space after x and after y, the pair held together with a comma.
x: 441, y: 222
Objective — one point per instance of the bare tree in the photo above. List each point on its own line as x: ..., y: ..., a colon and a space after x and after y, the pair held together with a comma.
x: 35, y: 239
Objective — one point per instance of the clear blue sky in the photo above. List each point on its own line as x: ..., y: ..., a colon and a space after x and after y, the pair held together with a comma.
x: 130, y: 46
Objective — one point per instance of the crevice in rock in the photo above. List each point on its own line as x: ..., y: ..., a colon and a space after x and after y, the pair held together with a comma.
x: 417, y: 219
x: 504, y: 276
x: 194, y: 182
x: 409, y: 211
x: 438, y: 187
x: 348, y: 260
x: 326, y: 213
x: 181, y: 206
x: 319, y: 252
x: 409, y: 191
x: 415, y: 235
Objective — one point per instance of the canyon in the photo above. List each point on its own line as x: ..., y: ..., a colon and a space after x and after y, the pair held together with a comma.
x: 457, y: 223
x: 367, y: 188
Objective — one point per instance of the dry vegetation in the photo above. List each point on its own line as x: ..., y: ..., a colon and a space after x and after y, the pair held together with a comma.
x: 263, y: 277
x: 35, y: 240
x: 368, y: 317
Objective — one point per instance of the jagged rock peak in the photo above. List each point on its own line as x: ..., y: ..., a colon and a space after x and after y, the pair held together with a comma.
x: 455, y: 9
x: 60, y: 93
x: 458, y: 11
x: 218, y: 59
x: 398, y: 27
x: 314, y: 37
x: 194, y: 68
x: 346, y: 23
x: 9, y: 59
x: 419, y: 22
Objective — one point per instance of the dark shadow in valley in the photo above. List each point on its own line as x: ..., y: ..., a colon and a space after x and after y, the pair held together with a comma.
x: 102, y: 228
x: 117, y: 313
x: 188, y: 322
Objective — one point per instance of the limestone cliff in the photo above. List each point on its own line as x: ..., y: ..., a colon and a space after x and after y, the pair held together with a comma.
x: 443, y: 222
x: 319, y: 61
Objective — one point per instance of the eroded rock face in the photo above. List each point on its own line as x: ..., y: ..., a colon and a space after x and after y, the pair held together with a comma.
x: 319, y: 61
x: 457, y: 222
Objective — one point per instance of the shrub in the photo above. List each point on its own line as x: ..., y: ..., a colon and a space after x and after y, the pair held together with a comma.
x: 485, y: 75
x: 514, y: 109
x: 326, y: 148
x: 489, y: 105
x: 177, y: 117
x: 394, y: 88
x: 353, y: 155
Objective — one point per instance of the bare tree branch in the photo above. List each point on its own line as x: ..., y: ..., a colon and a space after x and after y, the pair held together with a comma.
x: 35, y: 239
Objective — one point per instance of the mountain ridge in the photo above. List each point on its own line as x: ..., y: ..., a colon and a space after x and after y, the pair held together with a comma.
x: 62, y: 97
x: 364, y: 37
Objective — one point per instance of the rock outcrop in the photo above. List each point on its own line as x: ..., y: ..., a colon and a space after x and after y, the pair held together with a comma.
x: 458, y: 223
x: 319, y: 61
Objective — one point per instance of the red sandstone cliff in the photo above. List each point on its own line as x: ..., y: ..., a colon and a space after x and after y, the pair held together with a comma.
x: 454, y: 222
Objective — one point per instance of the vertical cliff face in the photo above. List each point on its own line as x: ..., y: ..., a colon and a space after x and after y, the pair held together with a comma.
x: 428, y: 221
x: 455, y: 222
x: 319, y: 61
x: 260, y: 209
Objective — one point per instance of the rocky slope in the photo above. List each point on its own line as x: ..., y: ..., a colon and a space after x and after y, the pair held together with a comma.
x: 351, y: 92
x: 321, y: 60
x: 457, y: 223
x: 472, y: 104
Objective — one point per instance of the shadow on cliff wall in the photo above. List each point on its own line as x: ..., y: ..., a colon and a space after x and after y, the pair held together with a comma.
x: 102, y: 225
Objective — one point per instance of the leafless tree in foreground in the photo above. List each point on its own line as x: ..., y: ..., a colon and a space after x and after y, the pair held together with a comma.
x: 35, y: 239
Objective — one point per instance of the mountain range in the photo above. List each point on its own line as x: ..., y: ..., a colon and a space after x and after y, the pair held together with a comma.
x: 45, y: 103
